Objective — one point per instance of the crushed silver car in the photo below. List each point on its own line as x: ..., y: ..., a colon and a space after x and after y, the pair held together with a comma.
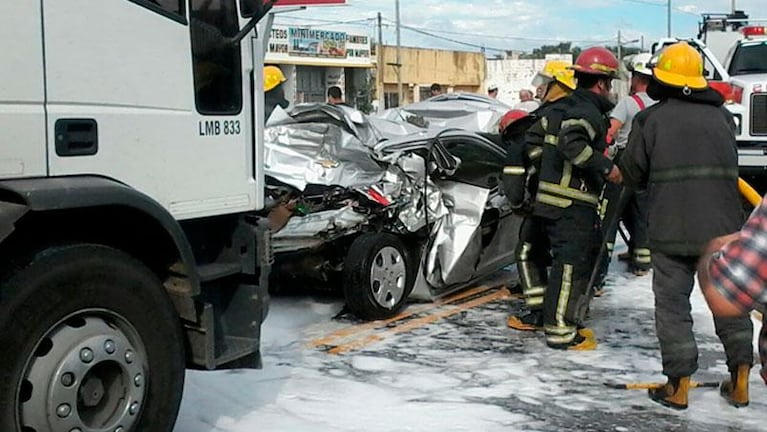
x: 385, y: 209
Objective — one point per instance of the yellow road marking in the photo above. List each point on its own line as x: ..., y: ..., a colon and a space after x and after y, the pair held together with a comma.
x: 503, y: 293
x: 410, y: 311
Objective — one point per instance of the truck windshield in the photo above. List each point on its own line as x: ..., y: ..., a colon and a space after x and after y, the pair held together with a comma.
x: 749, y: 58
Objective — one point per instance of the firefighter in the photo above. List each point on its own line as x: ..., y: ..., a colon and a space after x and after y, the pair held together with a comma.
x: 572, y: 174
x: 520, y: 180
x: 274, y: 94
x: 634, y: 202
x: 683, y: 151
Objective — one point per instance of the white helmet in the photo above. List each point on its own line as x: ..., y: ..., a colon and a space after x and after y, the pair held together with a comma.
x: 639, y: 64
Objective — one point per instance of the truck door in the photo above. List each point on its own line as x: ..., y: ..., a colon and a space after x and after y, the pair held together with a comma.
x: 22, y: 111
x: 150, y: 93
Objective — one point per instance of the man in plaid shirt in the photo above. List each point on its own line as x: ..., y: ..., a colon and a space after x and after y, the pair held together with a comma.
x: 733, y: 276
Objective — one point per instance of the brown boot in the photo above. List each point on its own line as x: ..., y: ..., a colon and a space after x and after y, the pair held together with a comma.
x: 735, y: 390
x: 673, y: 394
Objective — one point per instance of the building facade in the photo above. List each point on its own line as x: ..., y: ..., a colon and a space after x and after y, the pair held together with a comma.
x: 512, y: 74
x: 455, y: 71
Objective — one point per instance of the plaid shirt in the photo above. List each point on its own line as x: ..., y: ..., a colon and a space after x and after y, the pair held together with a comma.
x: 739, y: 271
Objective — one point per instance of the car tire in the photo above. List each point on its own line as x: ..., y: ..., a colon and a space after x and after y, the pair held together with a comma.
x: 378, y: 276
x: 90, y: 341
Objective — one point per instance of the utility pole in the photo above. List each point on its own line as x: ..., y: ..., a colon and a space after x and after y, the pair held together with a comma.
x: 668, y: 18
x: 619, y: 49
x: 380, y: 84
x: 399, y: 59
x: 733, y: 6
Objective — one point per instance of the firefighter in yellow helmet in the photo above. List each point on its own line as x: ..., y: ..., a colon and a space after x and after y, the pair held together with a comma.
x: 555, y: 82
x: 274, y: 94
x: 682, y: 149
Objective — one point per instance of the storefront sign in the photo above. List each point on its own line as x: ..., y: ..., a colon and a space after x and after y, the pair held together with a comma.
x: 313, y: 46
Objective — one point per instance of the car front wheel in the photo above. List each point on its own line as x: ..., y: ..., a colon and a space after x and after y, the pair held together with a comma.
x: 378, y: 276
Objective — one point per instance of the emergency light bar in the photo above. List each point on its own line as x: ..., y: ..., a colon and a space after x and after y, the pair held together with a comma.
x: 754, y: 31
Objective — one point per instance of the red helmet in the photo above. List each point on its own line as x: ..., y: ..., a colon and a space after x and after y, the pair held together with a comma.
x: 510, y: 117
x: 597, y: 61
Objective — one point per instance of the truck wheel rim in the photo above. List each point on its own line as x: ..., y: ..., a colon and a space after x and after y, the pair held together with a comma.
x: 88, y: 373
x: 388, y: 277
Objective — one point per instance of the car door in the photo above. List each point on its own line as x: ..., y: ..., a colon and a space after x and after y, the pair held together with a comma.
x: 482, y: 166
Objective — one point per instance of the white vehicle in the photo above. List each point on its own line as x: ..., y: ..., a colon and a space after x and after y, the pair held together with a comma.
x: 131, y: 154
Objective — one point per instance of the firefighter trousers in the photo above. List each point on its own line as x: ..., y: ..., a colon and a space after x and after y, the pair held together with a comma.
x: 575, y: 239
x: 673, y: 281
x: 533, y: 258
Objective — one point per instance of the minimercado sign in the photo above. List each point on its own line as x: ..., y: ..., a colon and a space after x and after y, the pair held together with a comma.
x: 314, y: 46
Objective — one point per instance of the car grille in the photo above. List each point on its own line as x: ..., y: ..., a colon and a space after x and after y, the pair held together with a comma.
x: 759, y: 114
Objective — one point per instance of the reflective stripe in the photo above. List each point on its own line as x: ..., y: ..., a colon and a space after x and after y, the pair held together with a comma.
x: 569, y: 192
x: 534, y: 301
x: 524, y: 251
x: 642, y: 256
x: 545, y: 123
x: 564, y: 294
x: 535, y: 291
x: 551, y: 139
x: 552, y: 200
x: 582, y: 123
x: 610, y: 247
x: 513, y: 170
x: 692, y: 173
x: 583, y: 156
x: 535, y: 152
x: 559, y: 330
x: 558, y: 340
x: 603, y: 208
x: 567, y: 174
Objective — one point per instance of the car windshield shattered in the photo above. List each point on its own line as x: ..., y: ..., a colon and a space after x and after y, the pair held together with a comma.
x: 383, y: 208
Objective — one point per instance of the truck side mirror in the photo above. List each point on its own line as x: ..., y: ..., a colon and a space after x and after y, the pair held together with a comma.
x: 250, y: 8
x: 255, y: 10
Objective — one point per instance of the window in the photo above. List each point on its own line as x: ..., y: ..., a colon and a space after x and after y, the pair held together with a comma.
x: 391, y: 100
x: 216, y: 59
x: 173, y: 9
x: 481, y: 162
x: 749, y: 59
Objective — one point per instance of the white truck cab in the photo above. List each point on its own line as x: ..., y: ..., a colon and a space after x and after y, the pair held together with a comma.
x: 131, y: 177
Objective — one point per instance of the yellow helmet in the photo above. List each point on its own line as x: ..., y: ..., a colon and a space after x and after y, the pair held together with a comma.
x: 273, y: 77
x: 556, y: 70
x: 680, y: 65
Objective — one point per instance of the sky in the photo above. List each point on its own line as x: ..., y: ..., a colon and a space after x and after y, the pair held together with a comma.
x: 517, y: 25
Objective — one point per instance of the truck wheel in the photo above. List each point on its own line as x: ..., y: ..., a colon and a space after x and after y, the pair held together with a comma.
x: 378, y: 276
x: 90, y: 342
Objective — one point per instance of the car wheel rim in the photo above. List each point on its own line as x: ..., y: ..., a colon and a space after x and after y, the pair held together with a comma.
x: 388, y: 277
x: 88, y: 373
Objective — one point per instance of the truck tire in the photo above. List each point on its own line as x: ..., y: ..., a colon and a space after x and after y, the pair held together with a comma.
x: 90, y: 341
x: 378, y: 276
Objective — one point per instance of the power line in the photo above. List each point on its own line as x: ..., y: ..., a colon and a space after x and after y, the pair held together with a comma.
x: 496, y: 36
x: 663, y: 5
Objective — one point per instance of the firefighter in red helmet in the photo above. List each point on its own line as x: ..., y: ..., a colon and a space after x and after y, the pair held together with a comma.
x: 573, y: 169
x: 520, y: 180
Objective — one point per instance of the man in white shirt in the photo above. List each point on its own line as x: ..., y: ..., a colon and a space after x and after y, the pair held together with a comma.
x: 527, y: 101
x: 621, y: 117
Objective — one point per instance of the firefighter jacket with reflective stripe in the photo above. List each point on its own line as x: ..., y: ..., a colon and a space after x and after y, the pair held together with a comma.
x: 683, y: 150
x: 520, y: 179
x: 572, y: 136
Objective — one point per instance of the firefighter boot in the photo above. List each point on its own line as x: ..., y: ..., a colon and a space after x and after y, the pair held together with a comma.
x: 673, y: 394
x: 735, y: 390
x: 584, y: 341
x: 531, y: 321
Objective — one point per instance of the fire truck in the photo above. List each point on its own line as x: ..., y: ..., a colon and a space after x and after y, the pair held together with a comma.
x: 131, y: 174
